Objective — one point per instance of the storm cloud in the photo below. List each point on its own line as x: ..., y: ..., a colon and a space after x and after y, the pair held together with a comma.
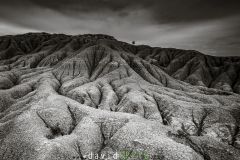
x: 208, y: 26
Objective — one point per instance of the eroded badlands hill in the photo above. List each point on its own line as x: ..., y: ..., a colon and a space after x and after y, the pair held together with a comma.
x: 63, y: 97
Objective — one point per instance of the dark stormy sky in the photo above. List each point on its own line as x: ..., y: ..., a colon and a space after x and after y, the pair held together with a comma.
x: 210, y: 26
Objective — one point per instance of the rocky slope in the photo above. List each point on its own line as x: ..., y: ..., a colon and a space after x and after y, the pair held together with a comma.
x: 64, y: 97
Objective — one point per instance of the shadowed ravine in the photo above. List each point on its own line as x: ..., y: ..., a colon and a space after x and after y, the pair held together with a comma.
x: 63, y: 97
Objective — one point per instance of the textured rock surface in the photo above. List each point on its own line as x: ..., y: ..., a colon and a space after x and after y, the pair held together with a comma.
x: 63, y: 97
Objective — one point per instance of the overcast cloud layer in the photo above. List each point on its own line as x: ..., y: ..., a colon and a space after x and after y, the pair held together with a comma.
x: 209, y: 26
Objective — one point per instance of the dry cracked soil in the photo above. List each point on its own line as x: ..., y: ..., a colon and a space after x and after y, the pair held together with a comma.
x: 64, y: 97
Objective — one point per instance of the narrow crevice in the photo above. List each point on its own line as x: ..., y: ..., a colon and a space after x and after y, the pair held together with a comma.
x: 114, y: 89
x: 101, y: 95
x: 166, y: 115
x: 200, y: 123
x: 78, y: 150
x: 59, y: 83
x: 102, y: 67
x: 235, y: 134
x: 43, y: 120
x: 197, y: 149
x: 55, y: 131
x: 103, y: 138
x: 90, y: 97
x: 74, y: 121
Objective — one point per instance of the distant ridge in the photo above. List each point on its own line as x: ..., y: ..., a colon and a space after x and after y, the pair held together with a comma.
x: 186, y: 65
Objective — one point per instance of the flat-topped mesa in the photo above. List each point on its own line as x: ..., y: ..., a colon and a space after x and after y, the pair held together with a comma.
x: 95, y: 36
x: 48, y: 35
x: 13, y: 45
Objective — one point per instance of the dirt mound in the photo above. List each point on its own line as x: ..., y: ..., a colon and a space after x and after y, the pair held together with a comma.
x: 72, y: 97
